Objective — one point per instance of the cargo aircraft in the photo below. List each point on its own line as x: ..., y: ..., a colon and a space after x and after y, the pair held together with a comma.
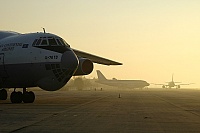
x: 121, y: 83
x: 42, y: 60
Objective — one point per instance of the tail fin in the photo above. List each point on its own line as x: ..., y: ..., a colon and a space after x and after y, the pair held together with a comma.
x: 100, y: 76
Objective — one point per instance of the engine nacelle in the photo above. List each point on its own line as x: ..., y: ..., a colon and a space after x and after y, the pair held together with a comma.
x: 163, y: 86
x: 85, y: 67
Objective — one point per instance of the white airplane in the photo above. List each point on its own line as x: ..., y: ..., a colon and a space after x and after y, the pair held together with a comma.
x: 172, y: 84
x: 42, y: 60
x: 121, y: 83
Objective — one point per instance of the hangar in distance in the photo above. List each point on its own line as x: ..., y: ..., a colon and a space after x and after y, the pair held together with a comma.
x: 121, y: 83
x: 42, y: 60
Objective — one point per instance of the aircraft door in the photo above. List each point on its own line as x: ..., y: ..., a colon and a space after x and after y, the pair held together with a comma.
x: 3, y: 72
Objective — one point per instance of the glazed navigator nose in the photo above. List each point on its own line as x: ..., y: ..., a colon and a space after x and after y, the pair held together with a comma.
x: 69, y: 60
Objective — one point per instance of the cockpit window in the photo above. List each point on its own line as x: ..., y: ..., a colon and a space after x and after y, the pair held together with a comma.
x: 59, y: 42
x: 64, y: 42
x: 38, y: 42
x: 35, y: 42
x: 52, y: 41
x: 44, y: 42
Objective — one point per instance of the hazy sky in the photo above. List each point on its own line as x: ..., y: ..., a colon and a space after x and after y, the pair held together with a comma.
x: 152, y: 38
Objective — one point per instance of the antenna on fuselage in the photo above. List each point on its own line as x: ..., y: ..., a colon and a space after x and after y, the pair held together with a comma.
x: 43, y: 29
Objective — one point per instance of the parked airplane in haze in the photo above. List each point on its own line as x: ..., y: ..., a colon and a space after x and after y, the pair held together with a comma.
x: 121, y: 83
x: 172, y: 84
x: 42, y: 60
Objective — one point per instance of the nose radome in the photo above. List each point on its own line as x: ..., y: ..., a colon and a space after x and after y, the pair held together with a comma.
x: 69, y: 60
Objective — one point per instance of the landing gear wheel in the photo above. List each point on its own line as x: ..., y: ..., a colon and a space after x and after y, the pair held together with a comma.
x: 3, y: 94
x: 28, y: 97
x: 16, y: 97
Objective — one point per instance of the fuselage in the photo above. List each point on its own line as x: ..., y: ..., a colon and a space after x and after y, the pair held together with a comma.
x: 171, y: 84
x: 125, y: 83
x: 35, y: 59
x: 42, y: 60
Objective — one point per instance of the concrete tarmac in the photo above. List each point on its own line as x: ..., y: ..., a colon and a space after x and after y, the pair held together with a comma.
x: 107, y: 111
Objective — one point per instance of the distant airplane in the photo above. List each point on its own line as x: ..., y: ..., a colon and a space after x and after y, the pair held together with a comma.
x: 172, y: 84
x: 121, y: 83
x: 42, y: 60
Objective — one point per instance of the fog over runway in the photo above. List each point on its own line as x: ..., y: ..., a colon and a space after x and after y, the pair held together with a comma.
x: 150, y: 111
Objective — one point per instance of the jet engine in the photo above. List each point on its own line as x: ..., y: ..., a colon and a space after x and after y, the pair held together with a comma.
x: 85, y: 67
x: 163, y: 86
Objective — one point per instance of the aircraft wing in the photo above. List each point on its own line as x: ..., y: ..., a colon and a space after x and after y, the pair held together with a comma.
x: 95, y: 59
x: 186, y: 84
x: 160, y: 84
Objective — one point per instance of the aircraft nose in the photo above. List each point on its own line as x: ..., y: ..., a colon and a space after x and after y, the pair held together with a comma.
x: 69, y: 60
x: 148, y: 84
